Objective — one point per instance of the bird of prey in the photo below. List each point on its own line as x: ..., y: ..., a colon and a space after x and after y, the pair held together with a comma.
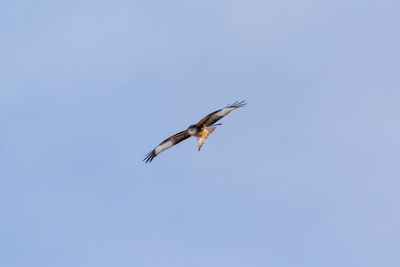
x: 201, y: 130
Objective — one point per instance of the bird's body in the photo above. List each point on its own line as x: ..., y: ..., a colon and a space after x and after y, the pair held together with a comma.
x: 201, y: 130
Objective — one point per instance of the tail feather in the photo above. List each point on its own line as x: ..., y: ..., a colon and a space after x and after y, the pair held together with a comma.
x: 202, y: 139
x: 210, y: 130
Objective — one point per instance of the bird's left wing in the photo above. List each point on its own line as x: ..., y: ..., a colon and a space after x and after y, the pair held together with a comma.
x: 167, y: 143
x: 215, y: 116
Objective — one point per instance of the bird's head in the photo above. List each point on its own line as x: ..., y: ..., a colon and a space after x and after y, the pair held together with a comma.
x: 192, y: 130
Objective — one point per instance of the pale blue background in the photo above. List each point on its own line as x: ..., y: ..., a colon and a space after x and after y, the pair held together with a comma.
x: 307, y: 175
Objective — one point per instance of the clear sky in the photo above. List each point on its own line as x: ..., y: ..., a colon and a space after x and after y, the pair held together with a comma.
x: 308, y: 174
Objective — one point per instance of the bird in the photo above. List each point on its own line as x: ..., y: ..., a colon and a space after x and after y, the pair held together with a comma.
x: 201, y: 130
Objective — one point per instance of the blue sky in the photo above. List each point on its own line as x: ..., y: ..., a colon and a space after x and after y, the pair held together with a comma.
x: 306, y: 175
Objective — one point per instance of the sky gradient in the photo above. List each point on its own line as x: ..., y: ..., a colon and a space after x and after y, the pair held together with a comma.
x: 307, y: 174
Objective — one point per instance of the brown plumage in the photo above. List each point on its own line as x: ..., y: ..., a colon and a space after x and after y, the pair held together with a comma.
x: 201, y: 130
x: 167, y: 143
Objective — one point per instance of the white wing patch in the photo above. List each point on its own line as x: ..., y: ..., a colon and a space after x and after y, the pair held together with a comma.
x: 224, y: 112
x: 162, y: 147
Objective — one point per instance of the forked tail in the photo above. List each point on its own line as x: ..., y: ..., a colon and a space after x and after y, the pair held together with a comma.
x: 206, y: 132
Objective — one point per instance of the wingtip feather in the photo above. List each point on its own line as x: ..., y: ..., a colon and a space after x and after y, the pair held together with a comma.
x: 237, y: 104
x: 149, y: 157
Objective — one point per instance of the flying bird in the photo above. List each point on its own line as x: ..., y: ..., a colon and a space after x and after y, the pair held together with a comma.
x: 201, y: 130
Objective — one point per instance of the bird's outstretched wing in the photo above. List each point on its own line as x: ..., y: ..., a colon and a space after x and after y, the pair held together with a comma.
x: 215, y: 116
x: 167, y: 143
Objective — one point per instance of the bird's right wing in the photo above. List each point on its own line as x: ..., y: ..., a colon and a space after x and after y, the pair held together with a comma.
x: 167, y: 143
x: 215, y: 116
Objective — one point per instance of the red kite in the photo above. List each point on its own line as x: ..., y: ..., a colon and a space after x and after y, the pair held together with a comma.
x: 201, y: 130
